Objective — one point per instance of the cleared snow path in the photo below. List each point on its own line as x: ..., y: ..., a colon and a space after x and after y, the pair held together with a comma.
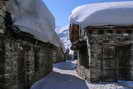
x: 64, y: 77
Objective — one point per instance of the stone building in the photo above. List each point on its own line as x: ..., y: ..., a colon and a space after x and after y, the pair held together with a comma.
x: 58, y: 55
x: 24, y: 58
x: 102, y: 36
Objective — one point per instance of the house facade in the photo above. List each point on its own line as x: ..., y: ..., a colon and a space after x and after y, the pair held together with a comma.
x: 24, y: 59
x: 105, y: 50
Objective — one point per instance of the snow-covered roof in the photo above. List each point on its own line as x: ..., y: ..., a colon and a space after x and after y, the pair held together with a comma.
x: 107, y: 13
x: 32, y: 16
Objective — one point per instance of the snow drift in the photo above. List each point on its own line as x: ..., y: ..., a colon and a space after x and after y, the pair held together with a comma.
x: 99, y: 14
x: 32, y: 16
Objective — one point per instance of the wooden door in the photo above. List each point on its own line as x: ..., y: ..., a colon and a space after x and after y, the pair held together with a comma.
x: 109, y: 63
x: 123, y: 56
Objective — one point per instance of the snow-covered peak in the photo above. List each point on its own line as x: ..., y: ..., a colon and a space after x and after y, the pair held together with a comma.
x: 61, y: 29
x: 63, y: 33
x: 107, y: 13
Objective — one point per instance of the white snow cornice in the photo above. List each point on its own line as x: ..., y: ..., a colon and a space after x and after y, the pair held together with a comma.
x: 99, y: 14
x: 33, y: 16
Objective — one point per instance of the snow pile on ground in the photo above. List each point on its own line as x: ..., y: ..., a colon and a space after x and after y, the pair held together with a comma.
x: 108, y: 13
x: 106, y: 86
x: 32, y: 16
x: 64, y: 76
x: 63, y: 33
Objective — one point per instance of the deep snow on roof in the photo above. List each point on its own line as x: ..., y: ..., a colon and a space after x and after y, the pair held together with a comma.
x: 32, y: 16
x: 107, y: 13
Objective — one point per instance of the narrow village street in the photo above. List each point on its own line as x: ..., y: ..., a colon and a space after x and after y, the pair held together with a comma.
x: 87, y: 44
x: 64, y: 76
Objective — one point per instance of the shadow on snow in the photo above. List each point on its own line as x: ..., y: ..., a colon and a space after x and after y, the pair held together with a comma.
x: 60, y: 81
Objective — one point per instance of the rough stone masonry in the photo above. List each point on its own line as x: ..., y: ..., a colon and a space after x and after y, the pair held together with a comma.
x: 23, y: 59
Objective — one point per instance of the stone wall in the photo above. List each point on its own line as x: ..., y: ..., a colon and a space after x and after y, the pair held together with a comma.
x: 25, y: 63
x: 109, y: 55
x: 24, y: 60
x: 58, y: 55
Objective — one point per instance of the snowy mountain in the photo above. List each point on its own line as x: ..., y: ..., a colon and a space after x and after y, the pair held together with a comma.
x: 63, y: 33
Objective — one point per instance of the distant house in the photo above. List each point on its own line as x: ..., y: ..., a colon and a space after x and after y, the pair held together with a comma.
x: 102, y: 34
x: 27, y: 43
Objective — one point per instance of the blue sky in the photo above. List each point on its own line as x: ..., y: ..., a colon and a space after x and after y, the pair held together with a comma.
x: 61, y: 9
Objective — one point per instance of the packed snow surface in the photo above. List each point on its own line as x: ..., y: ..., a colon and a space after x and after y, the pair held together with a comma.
x: 32, y: 16
x: 107, y: 13
x: 64, y: 76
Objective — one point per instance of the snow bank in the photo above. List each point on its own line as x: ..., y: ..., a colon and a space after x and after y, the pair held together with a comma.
x: 105, y: 86
x: 109, y: 13
x: 32, y: 16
